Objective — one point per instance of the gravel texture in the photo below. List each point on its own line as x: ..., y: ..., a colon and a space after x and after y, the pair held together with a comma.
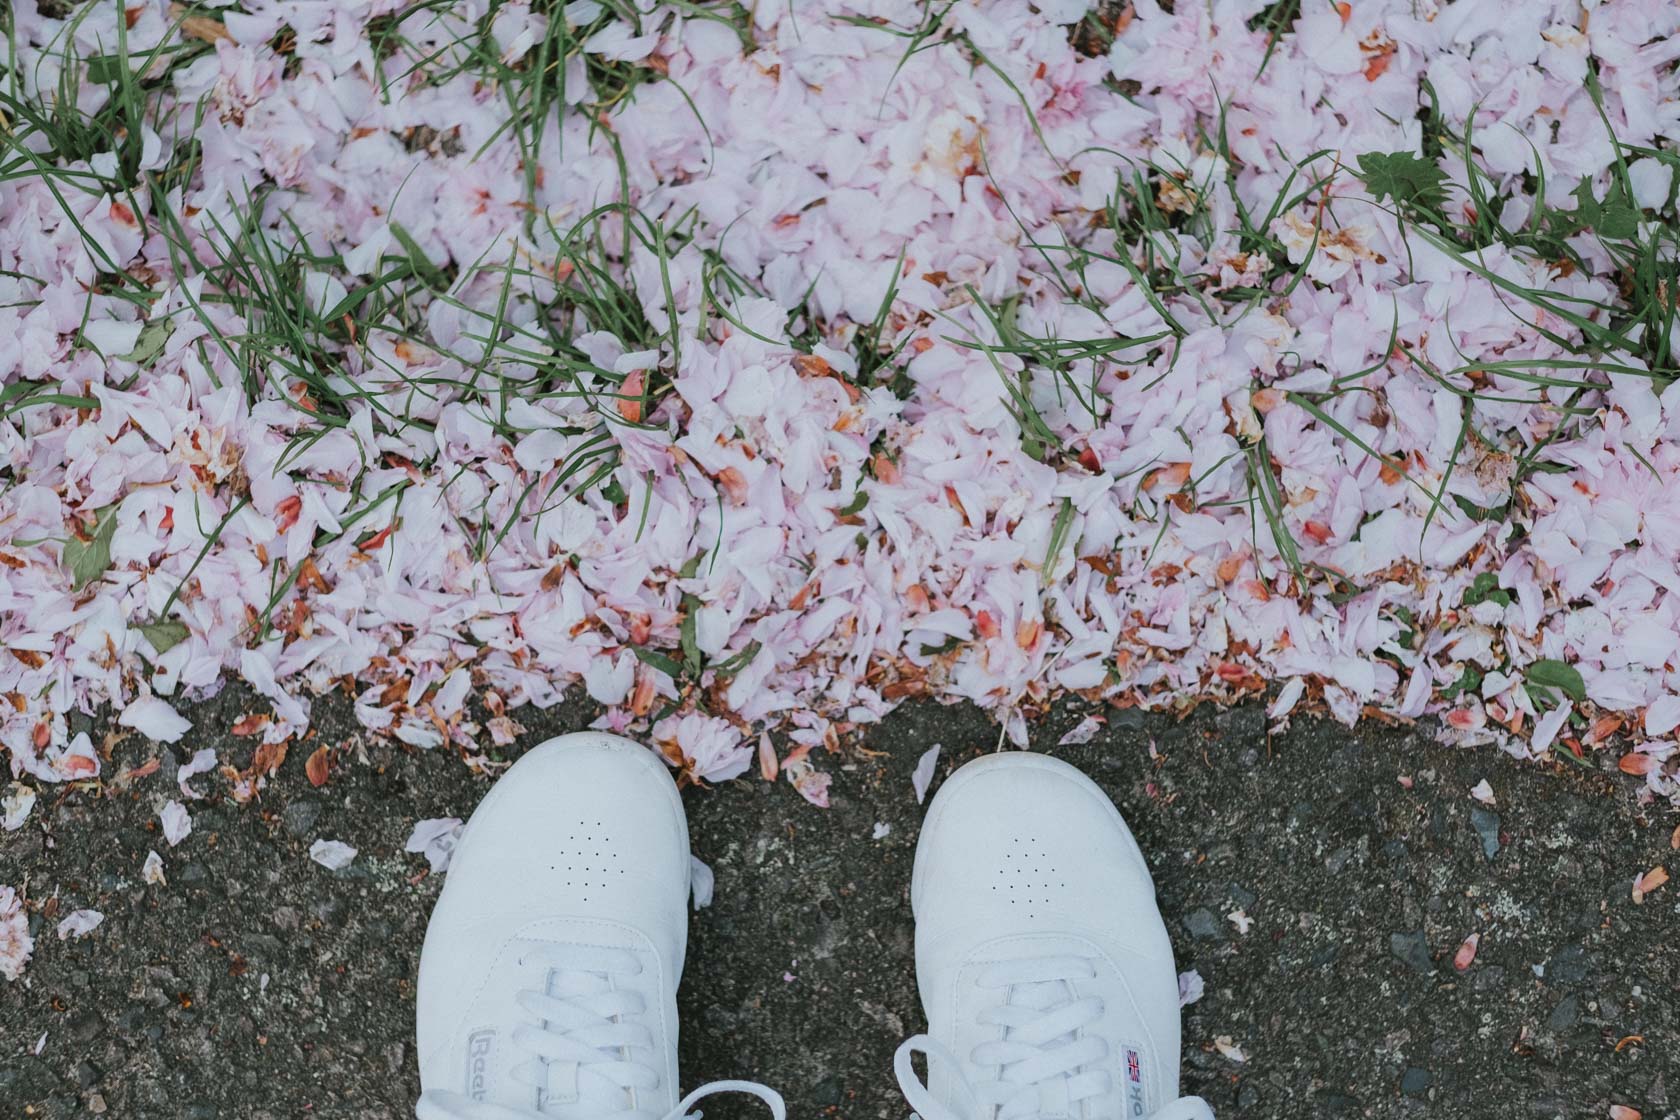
x: 255, y: 983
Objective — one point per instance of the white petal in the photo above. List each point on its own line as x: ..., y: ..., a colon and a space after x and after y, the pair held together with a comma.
x: 155, y: 719
x: 922, y: 778
x: 332, y: 854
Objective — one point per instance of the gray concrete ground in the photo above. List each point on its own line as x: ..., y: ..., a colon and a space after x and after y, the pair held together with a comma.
x: 1342, y: 994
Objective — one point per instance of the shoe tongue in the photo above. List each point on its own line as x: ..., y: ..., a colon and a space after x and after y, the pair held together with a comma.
x: 499, y: 1071
x: 569, y: 1094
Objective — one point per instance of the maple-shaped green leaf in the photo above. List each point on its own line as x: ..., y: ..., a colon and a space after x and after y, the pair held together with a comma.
x: 1616, y: 217
x: 1408, y: 179
x: 87, y: 556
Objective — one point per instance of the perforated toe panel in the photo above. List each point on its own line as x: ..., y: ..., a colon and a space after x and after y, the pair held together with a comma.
x: 1028, y: 878
x: 588, y: 859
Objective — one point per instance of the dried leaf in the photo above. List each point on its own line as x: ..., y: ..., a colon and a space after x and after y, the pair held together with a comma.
x: 316, y: 767
x: 811, y: 365
x: 1649, y: 882
x: 268, y: 757
x: 203, y: 29
x: 630, y: 404
x: 309, y: 575
x: 1636, y: 764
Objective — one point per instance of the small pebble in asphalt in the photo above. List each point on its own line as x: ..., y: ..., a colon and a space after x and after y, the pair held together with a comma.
x: 1486, y: 824
x: 1203, y: 926
x: 1411, y: 949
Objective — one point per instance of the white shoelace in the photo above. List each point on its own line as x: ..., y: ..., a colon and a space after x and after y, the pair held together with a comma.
x: 588, y: 1044
x: 1043, y: 1065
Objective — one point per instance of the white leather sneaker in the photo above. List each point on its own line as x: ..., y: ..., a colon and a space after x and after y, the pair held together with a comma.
x: 1044, y: 966
x: 548, y: 981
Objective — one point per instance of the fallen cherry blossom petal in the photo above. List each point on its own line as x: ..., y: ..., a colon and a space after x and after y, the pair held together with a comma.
x: 436, y: 839
x: 1466, y: 954
x: 334, y: 855
x: 701, y: 882
x: 202, y: 762
x: 15, y: 807
x: 922, y: 777
x: 15, y: 942
x: 176, y: 823
x: 155, y: 719
x: 1083, y: 732
x: 79, y: 923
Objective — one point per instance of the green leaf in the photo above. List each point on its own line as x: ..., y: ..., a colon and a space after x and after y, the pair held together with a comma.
x: 1408, y: 179
x: 20, y: 395
x: 105, y: 69
x: 666, y: 665
x: 88, y: 559
x: 1616, y: 217
x: 946, y: 646
x: 1485, y: 589
x: 1058, y: 537
x: 1556, y: 674
x: 150, y: 343
x: 734, y: 663
x: 859, y: 500
x: 1481, y: 513
x: 1468, y: 681
x: 165, y: 635
x: 690, y: 637
x: 417, y: 258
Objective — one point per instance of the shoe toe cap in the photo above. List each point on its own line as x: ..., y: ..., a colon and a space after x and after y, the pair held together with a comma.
x: 588, y: 804
x: 1022, y: 843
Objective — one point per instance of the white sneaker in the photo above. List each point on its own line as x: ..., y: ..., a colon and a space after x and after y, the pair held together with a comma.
x: 1043, y: 963
x: 548, y: 982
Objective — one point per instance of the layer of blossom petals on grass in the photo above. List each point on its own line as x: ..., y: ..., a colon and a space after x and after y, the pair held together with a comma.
x: 761, y: 370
